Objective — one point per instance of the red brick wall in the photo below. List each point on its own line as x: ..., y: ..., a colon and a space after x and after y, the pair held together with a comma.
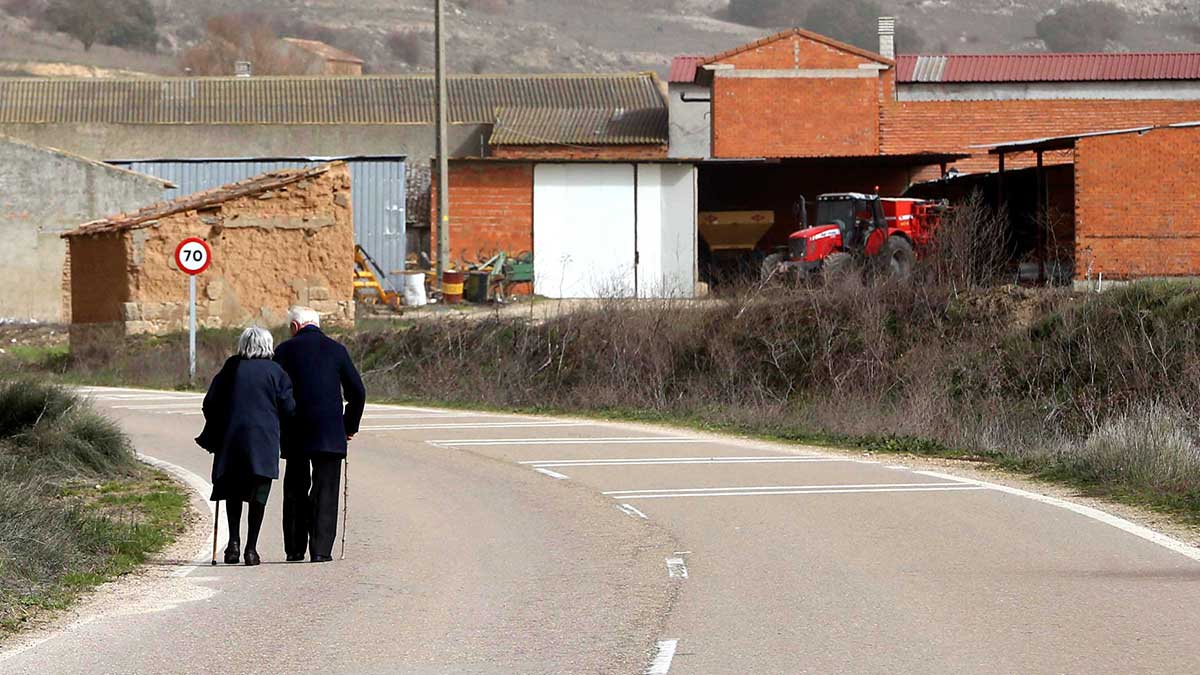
x: 799, y: 117
x: 491, y: 210
x: 953, y: 126
x: 1135, y: 205
x: 795, y: 51
x: 559, y: 152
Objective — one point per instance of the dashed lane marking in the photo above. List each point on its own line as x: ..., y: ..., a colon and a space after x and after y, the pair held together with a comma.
x: 797, y: 490
x: 630, y: 510
x: 677, y: 568
x: 553, y: 474
x: 661, y: 665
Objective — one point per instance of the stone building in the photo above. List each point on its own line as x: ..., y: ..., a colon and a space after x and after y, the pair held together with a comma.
x: 43, y: 193
x: 278, y: 239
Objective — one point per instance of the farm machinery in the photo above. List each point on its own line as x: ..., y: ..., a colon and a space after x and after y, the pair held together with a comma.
x: 858, y: 231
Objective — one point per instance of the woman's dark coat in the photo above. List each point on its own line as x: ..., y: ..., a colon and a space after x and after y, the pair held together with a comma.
x: 242, y: 412
x: 324, y: 375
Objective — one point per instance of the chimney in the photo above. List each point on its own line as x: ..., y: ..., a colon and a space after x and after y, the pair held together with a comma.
x: 241, y: 69
x: 887, y: 36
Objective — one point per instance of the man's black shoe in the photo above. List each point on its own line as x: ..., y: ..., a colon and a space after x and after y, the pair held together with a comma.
x: 233, y: 552
x: 252, y: 558
x: 295, y: 558
x: 322, y: 558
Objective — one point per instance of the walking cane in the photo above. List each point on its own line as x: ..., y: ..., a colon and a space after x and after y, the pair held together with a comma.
x: 216, y: 522
x: 345, y: 505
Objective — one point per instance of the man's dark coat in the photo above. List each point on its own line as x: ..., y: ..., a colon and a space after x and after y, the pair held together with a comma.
x: 322, y: 374
x: 242, y: 413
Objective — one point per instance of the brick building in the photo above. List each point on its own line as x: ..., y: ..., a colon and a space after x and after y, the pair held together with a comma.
x: 278, y: 239
x: 798, y: 114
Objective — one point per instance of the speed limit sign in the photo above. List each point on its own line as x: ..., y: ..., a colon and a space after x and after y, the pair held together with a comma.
x: 193, y: 256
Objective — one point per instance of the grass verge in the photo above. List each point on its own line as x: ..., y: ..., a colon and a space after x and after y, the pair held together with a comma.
x: 76, y: 508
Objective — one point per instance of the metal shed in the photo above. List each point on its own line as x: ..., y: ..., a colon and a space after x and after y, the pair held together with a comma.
x: 377, y: 193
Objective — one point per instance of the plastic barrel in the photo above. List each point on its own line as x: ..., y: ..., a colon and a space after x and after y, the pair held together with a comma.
x: 414, y: 289
x: 452, y: 287
x: 476, y: 289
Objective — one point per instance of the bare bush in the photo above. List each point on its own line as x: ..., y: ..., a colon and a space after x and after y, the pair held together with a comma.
x: 971, y: 246
x: 121, y: 23
x: 26, y: 9
x: 230, y: 38
x: 1152, y: 444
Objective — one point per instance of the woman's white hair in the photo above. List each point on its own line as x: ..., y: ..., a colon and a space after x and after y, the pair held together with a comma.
x: 304, y: 316
x: 256, y: 343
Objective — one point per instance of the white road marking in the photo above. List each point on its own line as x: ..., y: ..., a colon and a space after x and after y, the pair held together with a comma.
x: 566, y: 441
x: 204, y: 489
x: 782, y: 487
x: 663, y: 459
x: 897, y: 467
x: 157, y: 406
x: 662, y: 660
x: 715, y: 460
x: 471, y: 425
x: 150, y: 397
x: 378, y: 406
x: 629, y: 509
x: 415, y: 416
x: 768, y: 493
x: 676, y: 568
x: 1087, y: 511
x: 552, y: 474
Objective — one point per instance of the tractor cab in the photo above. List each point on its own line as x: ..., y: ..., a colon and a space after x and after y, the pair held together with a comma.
x: 849, y: 225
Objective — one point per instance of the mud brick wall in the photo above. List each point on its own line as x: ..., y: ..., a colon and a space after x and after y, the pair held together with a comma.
x: 292, y: 245
x: 1135, y: 205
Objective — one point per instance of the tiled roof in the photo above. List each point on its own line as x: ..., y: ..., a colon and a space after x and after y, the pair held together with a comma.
x: 1099, y: 67
x: 148, y: 215
x: 683, y: 68
x: 323, y: 50
x: 580, y: 126
x: 809, y: 35
x: 311, y: 100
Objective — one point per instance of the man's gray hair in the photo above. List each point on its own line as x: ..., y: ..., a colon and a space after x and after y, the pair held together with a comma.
x: 256, y: 343
x: 304, y: 316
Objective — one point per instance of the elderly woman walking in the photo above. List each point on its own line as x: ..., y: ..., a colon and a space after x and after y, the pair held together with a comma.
x: 242, y: 412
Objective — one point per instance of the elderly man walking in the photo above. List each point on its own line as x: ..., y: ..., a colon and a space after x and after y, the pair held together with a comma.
x: 315, y: 440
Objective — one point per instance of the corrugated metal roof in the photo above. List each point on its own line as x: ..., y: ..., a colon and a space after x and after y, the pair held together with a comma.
x: 683, y: 68
x: 311, y: 100
x: 579, y: 126
x: 964, y: 68
x: 199, y: 200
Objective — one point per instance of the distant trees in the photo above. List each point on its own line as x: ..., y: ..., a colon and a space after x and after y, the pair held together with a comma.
x: 121, y: 23
x: 1082, y: 27
x: 408, y: 46
x: 230, y: 38
x: 851, y: 21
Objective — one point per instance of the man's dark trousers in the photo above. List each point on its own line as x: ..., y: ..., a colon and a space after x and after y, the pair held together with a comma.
x: 311, y: 485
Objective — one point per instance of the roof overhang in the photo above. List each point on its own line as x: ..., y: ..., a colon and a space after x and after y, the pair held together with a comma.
x: 1053, y: 143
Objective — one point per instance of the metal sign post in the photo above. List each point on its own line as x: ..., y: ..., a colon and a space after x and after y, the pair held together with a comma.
x: 192, y: 257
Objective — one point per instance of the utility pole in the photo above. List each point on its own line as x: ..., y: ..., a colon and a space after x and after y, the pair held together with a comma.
x: 443, y: 179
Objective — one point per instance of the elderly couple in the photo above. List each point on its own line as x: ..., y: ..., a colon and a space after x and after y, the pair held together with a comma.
x: 266, y: 400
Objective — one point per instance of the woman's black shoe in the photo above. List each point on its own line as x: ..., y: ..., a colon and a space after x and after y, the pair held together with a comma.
x: 233, y: 552
x: 322, y: 558
x: 295, y: 558
x: 252, y: 558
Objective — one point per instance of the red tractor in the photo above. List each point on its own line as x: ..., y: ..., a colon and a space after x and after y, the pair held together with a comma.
x: 859, y: 230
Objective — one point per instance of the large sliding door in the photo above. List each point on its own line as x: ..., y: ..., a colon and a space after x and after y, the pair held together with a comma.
x: 584, y: 225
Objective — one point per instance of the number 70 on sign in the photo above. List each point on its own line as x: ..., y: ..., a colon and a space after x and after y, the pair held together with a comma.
x: 193, y: 256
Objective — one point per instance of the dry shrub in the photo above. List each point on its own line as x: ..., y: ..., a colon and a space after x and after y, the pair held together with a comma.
x: 971, y: 246
x: 409, y: 46
x: 246, y: 36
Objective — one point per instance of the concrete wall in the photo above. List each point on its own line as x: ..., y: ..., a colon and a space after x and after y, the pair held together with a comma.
x: 182, y: 141
x: 42, y: 194
x: 691, y: 121
x: 270, y: 251
x: 1135, y: 205
x: 1012, y: 91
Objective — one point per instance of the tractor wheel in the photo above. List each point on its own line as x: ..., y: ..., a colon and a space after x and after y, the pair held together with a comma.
x: 770, y: 267
x: 899, y: 259
x: 838, y: 267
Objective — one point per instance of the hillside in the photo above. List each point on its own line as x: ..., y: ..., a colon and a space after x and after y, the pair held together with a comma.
x: 552, y: 35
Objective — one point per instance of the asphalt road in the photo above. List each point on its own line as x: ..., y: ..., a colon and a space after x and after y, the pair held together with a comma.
x: 485, y: 543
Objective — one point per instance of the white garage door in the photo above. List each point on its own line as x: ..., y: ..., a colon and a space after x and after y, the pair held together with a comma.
x: 584, y: 236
